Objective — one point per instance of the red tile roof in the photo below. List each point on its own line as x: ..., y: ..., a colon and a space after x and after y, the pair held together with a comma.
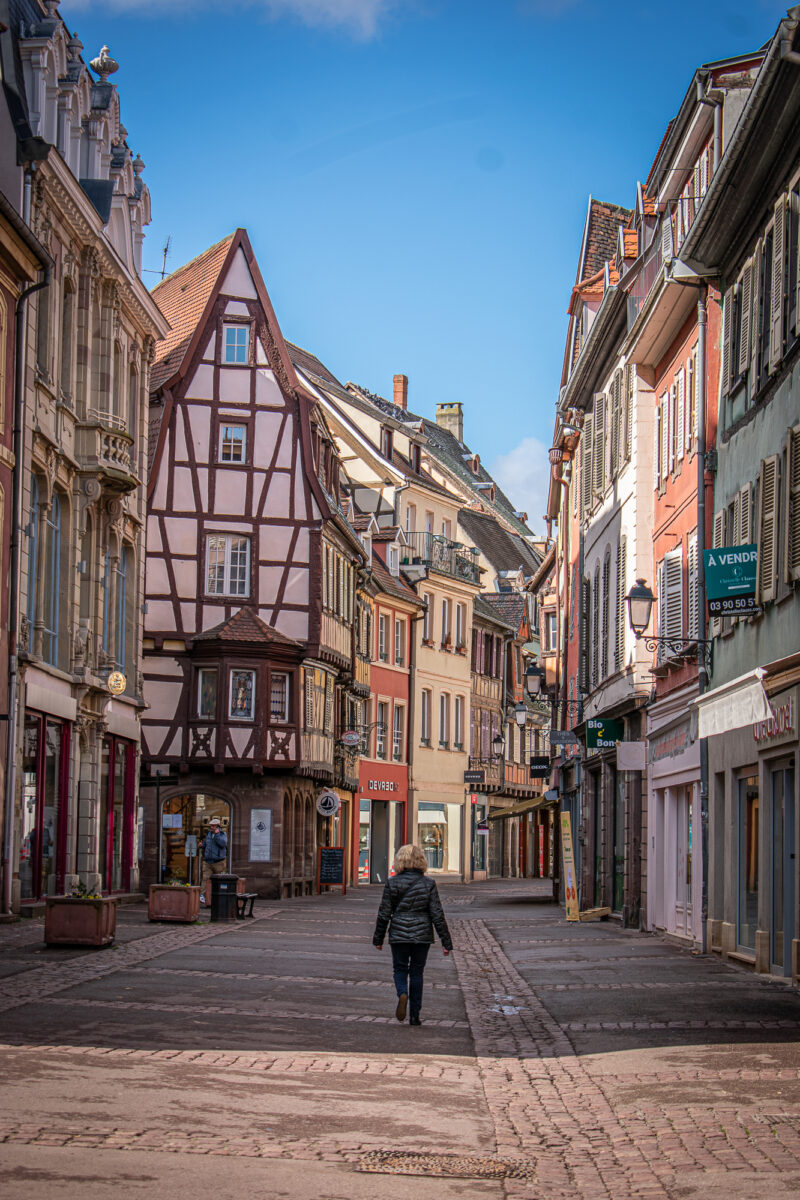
x: 601, y: 235
x: 245, y: 626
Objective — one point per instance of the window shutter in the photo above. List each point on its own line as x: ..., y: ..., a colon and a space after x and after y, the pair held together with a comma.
x: 691, y: 402
x: 746, y: 514
x: 587, y: 434
x: 662, y: 609
x: 619, y: 643
x: 596, y: 628
x: 778, y: 276
x: 309, y: 688
x: 717, y: 540
x: 584, y: 635
x: 673, y: 565
x: 796, y: 203
x: 747, y: 321
x: 614, y: 415
x: 791, y: 521
x: 606, y: 614
x: 755, y: 300
x: 667, y: 250
x: 629, y: 385
x: 329, y: 704
x: 657, y: 448
x: 672, y: 404
x: 599, y: 449
x: 767, y: 540
x: 704, y: 172
x: 693, y: 630
x: 725, y: 358
x: 681, y: 433
x: 665, y: 432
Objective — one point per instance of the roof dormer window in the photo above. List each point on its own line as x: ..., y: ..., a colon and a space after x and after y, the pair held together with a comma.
x: 416, y: 457
x: 387, y: 442
x: 394, y: 560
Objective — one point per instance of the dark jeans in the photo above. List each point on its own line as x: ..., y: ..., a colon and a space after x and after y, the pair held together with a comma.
x: 408, y: 960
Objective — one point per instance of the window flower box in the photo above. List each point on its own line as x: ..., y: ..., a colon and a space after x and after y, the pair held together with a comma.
x: 166, y: 902
x: 80, y: 920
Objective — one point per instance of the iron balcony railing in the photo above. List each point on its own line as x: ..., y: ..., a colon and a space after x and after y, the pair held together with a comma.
x: 438, y: 553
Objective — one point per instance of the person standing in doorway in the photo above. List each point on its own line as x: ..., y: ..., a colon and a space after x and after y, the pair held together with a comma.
x: 410, y: 908
x: 215, y: 853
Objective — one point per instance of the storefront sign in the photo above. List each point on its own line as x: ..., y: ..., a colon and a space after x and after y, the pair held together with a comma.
x: 631, y: 756
x: 482, y: 828
x: 540, y: 767
x: 671, y: 743
x: 328, y: 803
x: 474, y: 777
x: 260, y: 835
x: 382, y: 785
x: 350, y: 737
x: 730, y: 575
x: 783, y: 722
x: 604, y: 735
x: 563, y: 737
x: 568, y: 857
x: 330, y: 868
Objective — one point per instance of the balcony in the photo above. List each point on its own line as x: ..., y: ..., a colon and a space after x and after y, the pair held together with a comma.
x: 437, y: 553
x: 648, y: 273
x: 103, y: 444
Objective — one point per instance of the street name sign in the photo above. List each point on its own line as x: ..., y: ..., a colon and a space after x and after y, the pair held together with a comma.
x: 730, y: 575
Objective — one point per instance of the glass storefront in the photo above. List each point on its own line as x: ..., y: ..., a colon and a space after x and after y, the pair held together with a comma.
x: 381, y: 833
x: 184, y: 824
x: 116, y: 829
x: 783, y: 868
x: 44, y: 757
x: 440, y: 835
x: 747, y: 914
x: 479, y: 839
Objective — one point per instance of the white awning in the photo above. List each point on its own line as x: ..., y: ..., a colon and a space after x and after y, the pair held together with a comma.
x: 740, y: 702
x: 432, y: 816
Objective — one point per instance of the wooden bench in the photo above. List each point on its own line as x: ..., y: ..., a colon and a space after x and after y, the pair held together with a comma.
x: 244, y: 904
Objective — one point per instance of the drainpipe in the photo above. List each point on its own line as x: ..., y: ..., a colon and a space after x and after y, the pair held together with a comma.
x: 713, y: 99
x: 20, y: 364
x: 702, y: 667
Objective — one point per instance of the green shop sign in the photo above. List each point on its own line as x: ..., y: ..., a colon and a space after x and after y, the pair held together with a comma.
x: 730, y: 574
x: 604, y: 735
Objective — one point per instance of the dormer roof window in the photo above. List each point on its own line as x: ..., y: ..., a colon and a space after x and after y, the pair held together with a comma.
x: 387, y: 443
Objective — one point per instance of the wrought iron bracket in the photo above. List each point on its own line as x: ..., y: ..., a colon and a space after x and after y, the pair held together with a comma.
x: 679, y: 646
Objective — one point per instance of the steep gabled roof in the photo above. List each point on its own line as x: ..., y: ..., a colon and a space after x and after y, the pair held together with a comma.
x: 247, y: 627
x: 600, y: 240
x: 392, y: 585
x: 511, y: 606
x: 486, y: 611
x: 505, y: 551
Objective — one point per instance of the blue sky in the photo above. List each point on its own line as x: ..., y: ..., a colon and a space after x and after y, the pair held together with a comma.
x: 413, y: 175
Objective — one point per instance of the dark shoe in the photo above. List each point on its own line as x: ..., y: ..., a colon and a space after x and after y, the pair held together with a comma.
x: 402, y: 1004
x: 414, y: 1021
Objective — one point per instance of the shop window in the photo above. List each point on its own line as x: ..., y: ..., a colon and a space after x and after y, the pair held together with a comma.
x: 51, y: 610
x: 45, y: 754
x: 185, y: 821
x: 747, y: 916
x: 116, y: 814
x: 236, y: 344
x: 242, y: 688
x: 279, y: 697
x: 207, y: 692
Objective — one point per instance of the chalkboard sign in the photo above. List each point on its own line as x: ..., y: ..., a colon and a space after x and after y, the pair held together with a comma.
x: 330, y: 868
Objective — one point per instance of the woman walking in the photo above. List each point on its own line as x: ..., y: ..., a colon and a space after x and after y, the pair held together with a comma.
x: 411, y: 908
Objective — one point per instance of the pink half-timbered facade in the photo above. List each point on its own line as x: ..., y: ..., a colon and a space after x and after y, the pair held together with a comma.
x: 250, y: 582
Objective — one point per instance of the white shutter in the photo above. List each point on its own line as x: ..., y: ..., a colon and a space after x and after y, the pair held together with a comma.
x: 667, y: 247
x: 595, y: 627
x: 725, y: 357
x: 767, y: 530
x: 586, y: 465
x: 671, y: 433
x: 755, y: 301
x: 657, y: 448
x: 619, y: 640
x: 599, y: 447
x: 606, y: 615
x: 693, y: 629
x: 791, y: 520
x: 778, y: 276
x: 662, y: 609
x: 696, y: 182
x: 717, y: 540
x: 704, y: 165
x: 665, y: 435
x: 629, y: 386
x: 673, y: 566
x: 695, y: 432
x: 746, y: 321
x: 681, y: 434
x: 615, y: 411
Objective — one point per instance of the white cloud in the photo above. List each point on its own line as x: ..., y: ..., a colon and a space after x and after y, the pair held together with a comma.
x: 359, y: 17
x: 524, y: 476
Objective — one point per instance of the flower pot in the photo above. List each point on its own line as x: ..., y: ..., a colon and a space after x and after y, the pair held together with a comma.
x: 168, y: 903
x: 75, y: 921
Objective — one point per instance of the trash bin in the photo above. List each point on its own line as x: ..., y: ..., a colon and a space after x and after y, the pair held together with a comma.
x: 223, y: 897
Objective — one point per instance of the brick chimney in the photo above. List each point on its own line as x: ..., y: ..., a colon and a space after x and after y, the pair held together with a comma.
x: 451, y: 418
x: 401, y: 391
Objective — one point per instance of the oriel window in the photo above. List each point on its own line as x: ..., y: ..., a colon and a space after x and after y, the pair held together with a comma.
x: 279, y: 697
x: 241, y: 695
x: 207, y: 692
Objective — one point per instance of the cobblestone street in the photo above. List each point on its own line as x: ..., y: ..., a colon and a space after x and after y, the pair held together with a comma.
x: 264, y: 1059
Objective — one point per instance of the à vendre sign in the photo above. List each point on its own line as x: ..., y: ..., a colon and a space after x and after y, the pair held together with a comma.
x: 730, y: 575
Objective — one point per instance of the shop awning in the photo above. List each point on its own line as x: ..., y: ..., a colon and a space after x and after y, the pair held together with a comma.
x: 740, y: 702
x: 432, y: 816
x: 524, y: 806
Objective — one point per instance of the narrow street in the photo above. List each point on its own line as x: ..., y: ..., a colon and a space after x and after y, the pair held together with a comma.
x: 262, y: 1059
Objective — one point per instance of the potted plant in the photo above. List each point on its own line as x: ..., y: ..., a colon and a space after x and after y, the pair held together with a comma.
x: 173, y: 902
x: 83, y: 918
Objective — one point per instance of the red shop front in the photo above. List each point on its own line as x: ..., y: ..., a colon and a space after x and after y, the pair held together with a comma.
x: 382, y: 800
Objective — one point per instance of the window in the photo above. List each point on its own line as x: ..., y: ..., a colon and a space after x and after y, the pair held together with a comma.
x: 444, y: 721
x: 427, y: 620
x: 425, y: 718
x: 232, y: 443
x: 461, y: 626
x: 279, y: 697
x: 394, y: 560
x: 383, y: 638
x: 447, y: 528
x: 550, y: 631
x: 399, y: 641
x: 398, y: 727
x: 240, y: 706
x: 416, y: 457
x: 33, y: 557
x: 121, y: 606
x: 605, y: 615
x: 670, y: 600
x: 236, y: 344
x: 227, y: 565
x: 207, y: 692
x: 411, y: 518
x: 747, y: 914
x: 445, y: 622
x: 382, y: 729
x: 51, y: 610
x: 458, y: 723
x: 387, y: 442
x: 67, y: 328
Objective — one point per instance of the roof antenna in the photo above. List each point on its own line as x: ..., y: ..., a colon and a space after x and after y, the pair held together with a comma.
x: 165, y: 252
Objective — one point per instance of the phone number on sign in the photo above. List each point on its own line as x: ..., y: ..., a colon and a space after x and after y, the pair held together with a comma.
x: 732, y: 604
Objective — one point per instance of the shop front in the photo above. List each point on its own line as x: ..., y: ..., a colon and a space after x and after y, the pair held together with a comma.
x: 382, y: 801
x: 479, y: 806
x: 45, y: 783
x: 674, y: 861
x: 184, y: 821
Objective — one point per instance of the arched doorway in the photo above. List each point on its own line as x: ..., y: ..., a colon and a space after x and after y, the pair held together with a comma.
x: 184, y: 824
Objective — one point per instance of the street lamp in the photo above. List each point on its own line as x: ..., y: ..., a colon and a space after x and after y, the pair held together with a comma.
x: 521, y: 714
x: 640, y: 605
x: 534, y: 677
x: 498, y: 745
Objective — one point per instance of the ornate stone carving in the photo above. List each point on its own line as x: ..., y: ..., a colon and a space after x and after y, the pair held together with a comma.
x: 114, y: 508
x: 104, y: 65
x: 92, y: 488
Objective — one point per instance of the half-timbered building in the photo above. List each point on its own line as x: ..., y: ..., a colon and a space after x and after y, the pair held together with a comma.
x: 251, y: 589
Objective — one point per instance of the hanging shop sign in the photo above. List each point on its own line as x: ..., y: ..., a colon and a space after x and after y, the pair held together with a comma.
x: 117, y: 683
x: 328, y: 803
x: 604, y: 734
x: 350, y: 738
x: 730, y: 575
x: 563, y: 737
x: 540, y: 767
x: 474, y: 777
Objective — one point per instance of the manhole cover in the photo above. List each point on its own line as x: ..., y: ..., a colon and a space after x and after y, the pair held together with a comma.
x: 445, y: 1166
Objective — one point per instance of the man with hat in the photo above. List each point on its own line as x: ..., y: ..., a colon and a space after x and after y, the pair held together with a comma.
x: 215, y: 853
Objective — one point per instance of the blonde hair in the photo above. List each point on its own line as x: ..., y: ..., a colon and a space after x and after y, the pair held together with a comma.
x: 409, y: 858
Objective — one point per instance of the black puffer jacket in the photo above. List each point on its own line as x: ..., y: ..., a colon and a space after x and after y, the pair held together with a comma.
x: 411, y: 907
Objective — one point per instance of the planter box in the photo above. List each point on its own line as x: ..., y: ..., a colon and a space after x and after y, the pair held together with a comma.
x: 167, y: 903
x: 72, y: 921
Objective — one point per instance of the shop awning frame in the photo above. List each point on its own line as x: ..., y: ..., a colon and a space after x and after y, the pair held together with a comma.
x: 733, y: 705
x: 524, y: 806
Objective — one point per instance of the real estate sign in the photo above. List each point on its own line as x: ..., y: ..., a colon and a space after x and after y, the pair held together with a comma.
x: 604, y: 734
x: 730, y: 574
